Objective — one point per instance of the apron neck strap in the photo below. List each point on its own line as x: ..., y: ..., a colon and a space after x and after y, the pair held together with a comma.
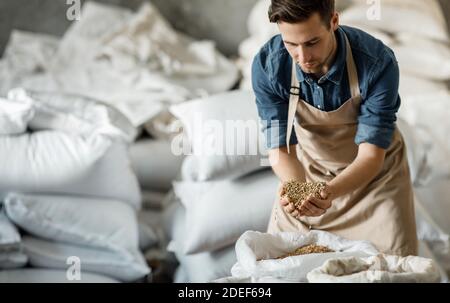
x: 294, y: 96
x: 351, y: 70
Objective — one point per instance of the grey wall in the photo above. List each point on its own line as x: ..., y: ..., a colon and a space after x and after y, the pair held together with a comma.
x: 221, y: 20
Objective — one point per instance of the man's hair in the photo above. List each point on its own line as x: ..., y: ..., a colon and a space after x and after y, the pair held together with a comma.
x: 295, y: 11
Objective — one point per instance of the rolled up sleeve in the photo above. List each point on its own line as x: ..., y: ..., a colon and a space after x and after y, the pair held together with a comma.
x: 376, y: 122
x: 272, y: 107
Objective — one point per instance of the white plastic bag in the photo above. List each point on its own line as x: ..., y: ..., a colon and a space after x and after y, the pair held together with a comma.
x: 256, y: 253
x: 376, y: 269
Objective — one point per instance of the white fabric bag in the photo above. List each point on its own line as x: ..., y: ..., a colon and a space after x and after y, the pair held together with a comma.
x: 73, y: 227
x: 217, y: 213
x: 154, y: 164
x: 422, y: 112
x: 256, y: 253
x: 415, y: 148
x: 433, y: 226
x: 423, y: 57
x: 11, y: 255
x: 376, y: 269
x: 9, y: 235
x: 150, y: 40
x: 106, y: 55
x: 400, y: 16
x: 75, y: 220
x: 25, y: 60
x: 411, y: 85
x: 74, y: 114
x: 214, y: 264
x: 113, y: 264
x: 14, y: 116
x: 224, y: 133
x: 61, y: 163
x: 33, y: 275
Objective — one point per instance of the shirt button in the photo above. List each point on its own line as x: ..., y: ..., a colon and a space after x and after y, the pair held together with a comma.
x: 318, y: 106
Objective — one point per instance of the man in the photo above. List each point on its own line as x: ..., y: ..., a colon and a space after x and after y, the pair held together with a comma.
x: 337, y: 87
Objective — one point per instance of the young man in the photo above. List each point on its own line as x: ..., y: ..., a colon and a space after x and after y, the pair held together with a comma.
x: 337, y: 87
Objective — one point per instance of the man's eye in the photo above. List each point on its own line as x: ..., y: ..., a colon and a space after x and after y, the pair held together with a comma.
x: 312, y: 43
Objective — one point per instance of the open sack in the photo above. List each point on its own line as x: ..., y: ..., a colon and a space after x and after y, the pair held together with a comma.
x: 376, y: 269
x: 256, y: 254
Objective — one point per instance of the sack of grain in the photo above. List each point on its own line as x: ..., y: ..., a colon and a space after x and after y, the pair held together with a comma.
x: 376, y: 269
x: 263, y: 256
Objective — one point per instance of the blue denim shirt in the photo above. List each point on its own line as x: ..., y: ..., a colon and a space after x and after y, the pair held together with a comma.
x: 378, y: 75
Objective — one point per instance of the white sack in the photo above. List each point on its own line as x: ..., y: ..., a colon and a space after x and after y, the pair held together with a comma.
x: 32, y: 275
x: 93, y: 59
x: 256, y: 253
x: 207, y: 266
x: 9, y: 235
x: 197, y: 268
x: 149, y: 40
x: 217, y: 213
x: 75, y: 220
x: 400, y: 16
x: 416, y: 149
x: 74, y: 114
x: 411, y: 85
x: 224, y: 133
x: 12, y: 259
x: 25, y: 59
x: 72, y: 227
x: 54, y: 255
x: 155, y: 164
x: 376, y: 269
x: 423, y: 57
x: 433, y: 207
x: 14, y: 116
x: 11, y: 255
x: 422, y: 112
x: 56, y: 162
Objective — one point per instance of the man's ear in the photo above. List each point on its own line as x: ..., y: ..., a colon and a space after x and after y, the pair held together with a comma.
x: 335, y: 21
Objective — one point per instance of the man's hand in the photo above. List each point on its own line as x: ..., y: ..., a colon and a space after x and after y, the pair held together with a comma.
x: 286, y: 204
x: 311, y: 207
x: 315, y: 207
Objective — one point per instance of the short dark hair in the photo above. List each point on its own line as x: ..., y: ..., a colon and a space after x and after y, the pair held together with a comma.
x: 294, y: 11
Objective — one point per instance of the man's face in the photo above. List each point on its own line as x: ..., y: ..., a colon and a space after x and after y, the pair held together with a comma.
x: 310, y: 43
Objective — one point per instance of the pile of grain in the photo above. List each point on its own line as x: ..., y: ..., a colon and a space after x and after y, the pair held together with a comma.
x: 297, y: 192
x: 308, y: 249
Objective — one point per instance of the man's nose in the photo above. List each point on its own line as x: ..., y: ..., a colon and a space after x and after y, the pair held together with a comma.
x: 302, y: 54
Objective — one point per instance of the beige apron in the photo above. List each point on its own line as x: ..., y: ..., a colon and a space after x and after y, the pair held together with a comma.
x: 383, y: 210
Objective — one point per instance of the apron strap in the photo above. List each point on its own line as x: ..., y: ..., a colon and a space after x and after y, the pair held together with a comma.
x: 294, y: 96
x: 351, y: 70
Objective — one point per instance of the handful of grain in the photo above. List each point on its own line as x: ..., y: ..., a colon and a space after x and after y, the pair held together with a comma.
x: 308, y: 249
x: 297, y: 192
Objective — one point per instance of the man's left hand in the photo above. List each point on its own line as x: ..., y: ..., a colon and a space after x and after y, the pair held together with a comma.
x: 315, y: 207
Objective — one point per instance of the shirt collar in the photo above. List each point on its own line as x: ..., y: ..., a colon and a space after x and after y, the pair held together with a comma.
x: 338, y: 67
